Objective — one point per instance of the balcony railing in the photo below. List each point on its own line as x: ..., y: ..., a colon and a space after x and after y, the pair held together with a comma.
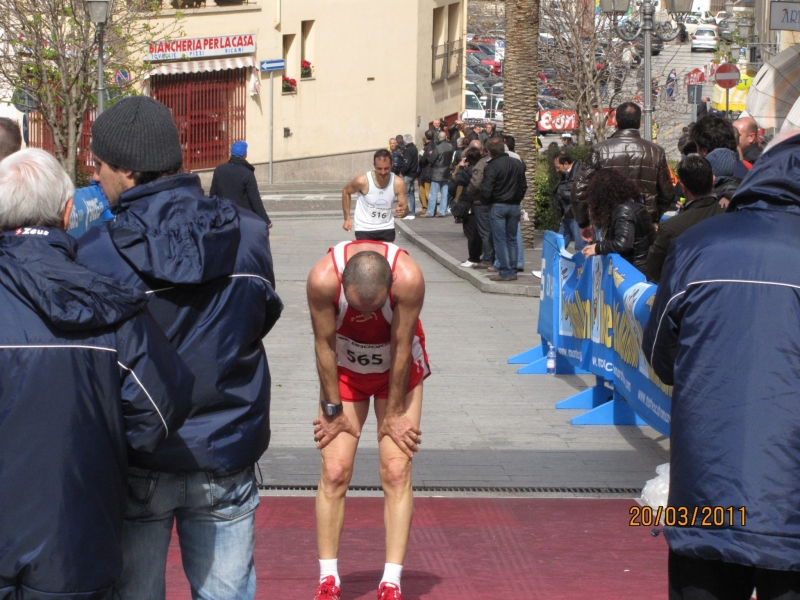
x: 446, y: 60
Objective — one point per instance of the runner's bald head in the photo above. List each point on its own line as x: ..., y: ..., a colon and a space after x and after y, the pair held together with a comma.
x: 367, y: 279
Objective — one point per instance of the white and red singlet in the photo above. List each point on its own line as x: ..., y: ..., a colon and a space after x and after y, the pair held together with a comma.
x: 363, y: 343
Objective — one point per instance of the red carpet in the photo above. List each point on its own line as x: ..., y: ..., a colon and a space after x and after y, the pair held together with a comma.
x: 462, y: 549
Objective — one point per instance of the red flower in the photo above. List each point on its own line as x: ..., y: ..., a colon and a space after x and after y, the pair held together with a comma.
x: 291, y: 82
x: 305, y: 64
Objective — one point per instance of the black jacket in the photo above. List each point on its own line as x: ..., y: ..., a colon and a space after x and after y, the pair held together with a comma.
x: 503, y: 181
x: 725, y: 187
x: 426, y: 162
x: 236, y: 181
x: 696, y: 211
x: 207, y: 268
x: 88, y: 376
x: 410, y: 161
x: 630, y: 234
x: 441, y: 159
x: 635, y: 158
x: 563, y: 192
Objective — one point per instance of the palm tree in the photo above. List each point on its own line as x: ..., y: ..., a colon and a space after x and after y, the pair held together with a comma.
x: 520, y: 109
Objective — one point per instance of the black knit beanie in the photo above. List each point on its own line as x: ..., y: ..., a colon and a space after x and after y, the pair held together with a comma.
x: 137, y: 133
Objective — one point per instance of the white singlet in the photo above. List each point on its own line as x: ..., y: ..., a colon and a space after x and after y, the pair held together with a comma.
x: 374, y: 210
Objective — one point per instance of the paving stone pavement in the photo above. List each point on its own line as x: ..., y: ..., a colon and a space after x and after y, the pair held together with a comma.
x: 483, y: 424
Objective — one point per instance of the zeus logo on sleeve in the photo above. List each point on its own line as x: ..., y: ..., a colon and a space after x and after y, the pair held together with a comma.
x: 30, y: 231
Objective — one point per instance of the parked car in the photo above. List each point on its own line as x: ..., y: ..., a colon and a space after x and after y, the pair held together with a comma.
x: 495, y: 111
x: 474, y: 63
x: 656, y: 46
x: 550, y: 103
x: 724, y: 31
x: 484, y: 58
x: 691, y: 23
x: 472, y: 107
x: 704, y: 16
x: 705, y: 38
x: 477, y: 89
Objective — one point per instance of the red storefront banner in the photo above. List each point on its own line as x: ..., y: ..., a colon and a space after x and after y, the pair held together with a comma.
x: 695, y: 77
x: 567, y: 120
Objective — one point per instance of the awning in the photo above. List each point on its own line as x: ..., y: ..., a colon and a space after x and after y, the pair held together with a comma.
x: 736, y: 103
x: 792, y: 122
x: 775, y: 88
x: 203, y: 66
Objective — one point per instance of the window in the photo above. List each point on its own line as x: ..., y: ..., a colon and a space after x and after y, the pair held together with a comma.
x: 439, y: 44
x: 307, y: 62
x: 454, y: 48
x: 290, y: 56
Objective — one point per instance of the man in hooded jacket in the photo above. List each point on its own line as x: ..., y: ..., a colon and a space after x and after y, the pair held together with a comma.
x: 88, y: 376
x: 235, y: 180
x: 724, y: 331
x: 206, y: 267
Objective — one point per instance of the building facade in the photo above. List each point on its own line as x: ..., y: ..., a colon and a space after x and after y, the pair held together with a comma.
x: 363, y: 71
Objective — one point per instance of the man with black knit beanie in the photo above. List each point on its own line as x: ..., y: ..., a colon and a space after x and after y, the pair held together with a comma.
x: 206, y: 268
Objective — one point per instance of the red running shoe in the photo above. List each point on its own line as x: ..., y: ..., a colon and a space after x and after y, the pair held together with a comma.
x: 389, y: 591
x: 328, y: 590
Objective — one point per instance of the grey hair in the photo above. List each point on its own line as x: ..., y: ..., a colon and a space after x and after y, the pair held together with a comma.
x: 34, y: 190
x: 408, y: 138
x: 442, y: 136
x: 368, y: 274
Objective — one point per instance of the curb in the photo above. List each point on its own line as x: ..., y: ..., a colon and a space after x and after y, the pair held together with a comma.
x: 444, y: 259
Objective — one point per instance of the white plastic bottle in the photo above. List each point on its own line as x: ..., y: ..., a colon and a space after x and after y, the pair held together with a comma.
x: 551, y: 360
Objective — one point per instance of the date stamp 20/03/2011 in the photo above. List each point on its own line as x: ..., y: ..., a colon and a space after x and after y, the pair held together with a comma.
x: 688, y: 516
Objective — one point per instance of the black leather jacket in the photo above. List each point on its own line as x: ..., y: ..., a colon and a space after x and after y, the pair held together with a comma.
x: 563, y: 192
x: 638, y: 160
x: 630, y: 234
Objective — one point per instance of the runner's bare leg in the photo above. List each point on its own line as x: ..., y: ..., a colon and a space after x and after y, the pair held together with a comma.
x: 396, y: 480
x: 336, y: 472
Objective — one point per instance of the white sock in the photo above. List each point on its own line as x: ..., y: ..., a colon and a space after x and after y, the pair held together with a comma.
x: 391, y: 574
x: 329, y: 567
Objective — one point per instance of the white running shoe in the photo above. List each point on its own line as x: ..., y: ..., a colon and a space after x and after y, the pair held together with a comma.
x: 467, y: 264
x: 409, y: 218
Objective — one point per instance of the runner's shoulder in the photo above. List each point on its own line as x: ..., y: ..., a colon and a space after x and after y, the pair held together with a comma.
x: 323, y: 281
x: 409, y: 282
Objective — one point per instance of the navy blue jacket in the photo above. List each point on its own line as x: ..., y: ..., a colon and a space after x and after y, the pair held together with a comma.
x: 206, y: 267
x: 85, y: 370
x: 725, y: 331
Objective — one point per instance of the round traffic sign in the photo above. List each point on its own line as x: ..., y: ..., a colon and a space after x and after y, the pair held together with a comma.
x: 727, y: 76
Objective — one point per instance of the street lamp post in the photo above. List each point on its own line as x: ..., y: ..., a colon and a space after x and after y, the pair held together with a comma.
x: 629, y: 31
x: 99, y: 12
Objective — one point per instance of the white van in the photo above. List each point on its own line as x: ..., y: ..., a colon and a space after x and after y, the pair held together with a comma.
x: 472, y: 107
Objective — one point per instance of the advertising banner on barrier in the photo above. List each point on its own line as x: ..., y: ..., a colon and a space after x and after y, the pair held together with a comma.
x: 594, y: 312
x: 576, y: 307
x: 634, y: 379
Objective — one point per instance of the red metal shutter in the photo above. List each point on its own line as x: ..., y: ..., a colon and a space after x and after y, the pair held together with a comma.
x: 209, y: 110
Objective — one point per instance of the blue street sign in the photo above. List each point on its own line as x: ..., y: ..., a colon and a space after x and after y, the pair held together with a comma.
x: 122, y: 77
x: 272, y: 65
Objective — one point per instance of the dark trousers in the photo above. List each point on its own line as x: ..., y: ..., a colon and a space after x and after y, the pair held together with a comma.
x: 700, y: 579
x: 474, y: 243
x: 481, y: 212
x: 381, y: 235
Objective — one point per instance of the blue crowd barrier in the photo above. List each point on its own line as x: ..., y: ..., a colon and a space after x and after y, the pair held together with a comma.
x: 593, y: 311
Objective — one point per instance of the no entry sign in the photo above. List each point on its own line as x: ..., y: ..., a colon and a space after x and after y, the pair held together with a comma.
x: 727, y: 76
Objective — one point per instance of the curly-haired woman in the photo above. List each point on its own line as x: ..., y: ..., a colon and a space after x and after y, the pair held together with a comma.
x: 626, y: 225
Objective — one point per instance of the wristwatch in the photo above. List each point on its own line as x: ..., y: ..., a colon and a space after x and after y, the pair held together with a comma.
x: 329, y: 409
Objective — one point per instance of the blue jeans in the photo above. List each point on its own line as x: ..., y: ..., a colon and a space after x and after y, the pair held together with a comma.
x: 436, y: 187
x: 520, y: 251
x: 505, y: 222
x: 216, y: 529
x: 570, y: 230
x: 410, y: 194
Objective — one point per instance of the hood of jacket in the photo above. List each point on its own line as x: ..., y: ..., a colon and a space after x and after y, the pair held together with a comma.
x: 37, y: 265
x: 241, y: 161
x: 172, y: 233
x: 773, y: 179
